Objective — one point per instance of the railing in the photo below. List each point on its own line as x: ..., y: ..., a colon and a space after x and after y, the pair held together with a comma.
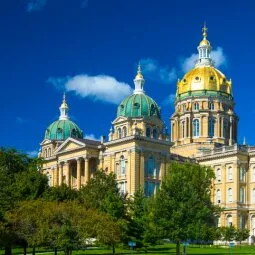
x: 231, y: 148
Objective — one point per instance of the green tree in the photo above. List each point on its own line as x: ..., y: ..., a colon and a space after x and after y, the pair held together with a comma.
x: 182, y: 207
x: 241, y: 235
x: 228, y: 233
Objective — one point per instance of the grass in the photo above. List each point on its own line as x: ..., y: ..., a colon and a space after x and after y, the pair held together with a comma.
x: 156, y: 250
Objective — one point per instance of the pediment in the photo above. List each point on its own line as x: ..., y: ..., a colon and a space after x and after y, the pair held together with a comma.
x: 119, y: 119
x: 45, y: 142
x: 70, y: 144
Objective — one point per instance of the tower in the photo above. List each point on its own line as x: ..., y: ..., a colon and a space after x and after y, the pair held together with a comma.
x: 204, y: 115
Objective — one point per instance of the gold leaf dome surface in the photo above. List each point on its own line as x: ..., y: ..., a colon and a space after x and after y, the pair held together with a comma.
x: 204, y: 42
x: 204, y: 78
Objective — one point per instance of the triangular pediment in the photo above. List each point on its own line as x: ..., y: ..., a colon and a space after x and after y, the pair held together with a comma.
x: 45, y: 141
x: 70, y: 144
x: 119, y: 119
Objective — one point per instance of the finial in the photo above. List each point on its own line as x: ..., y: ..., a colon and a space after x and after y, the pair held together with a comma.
x: 244, y: 140
x: 204, y: 30
x: 139, y: 72
x: 64, y: 97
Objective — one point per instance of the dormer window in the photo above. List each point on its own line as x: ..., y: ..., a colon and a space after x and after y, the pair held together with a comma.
x: 59, y: 134
x: 196, y: 106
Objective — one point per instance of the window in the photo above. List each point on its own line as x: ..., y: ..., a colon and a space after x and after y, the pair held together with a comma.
x: 253, y: 174
x: 211, y: 106
x: 149, y: 188
x: 59, y: 134
x: 148, y: 132
x: 229, y: 220
x: 225, y: 128
x: 230, y: 195
x: 117, y: 169
x: 241, y: 198
x: 49, y: 179
x: 151, y: 166
x: 155, y: 134
x: 211, y: 127
x: 196, y: 106
x: 218, y: 175
x: 253, y: 196
x: 123, y: 165
x: 45, y: 153
x: 73, y: 133
x: 218, y: 196
x: 242, y: 221
x: 119, y: 133
x: 242, y: 174
x: 122, y: 187
x: 183, y: 129
x: 49, y: 152
x: 230, y: 174
x: 124, y: 132
x: 196, y: 128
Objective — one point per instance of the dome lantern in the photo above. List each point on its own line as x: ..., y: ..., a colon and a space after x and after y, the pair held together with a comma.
x: 204, y: 50
x: 63, y: 109
x: 139, y: 81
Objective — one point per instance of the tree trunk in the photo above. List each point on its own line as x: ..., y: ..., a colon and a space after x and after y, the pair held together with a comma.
x: 25, y: 249
x: 7, y: 250
x: 55, y: 251
x: 33, y: 252
x: 178, y: 247
x: 113, y: 249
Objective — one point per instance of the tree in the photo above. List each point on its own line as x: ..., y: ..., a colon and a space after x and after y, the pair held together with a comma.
x: 241, y: 235
x: 182, y: 208
x: 138, y: 211
x: 228, y: 233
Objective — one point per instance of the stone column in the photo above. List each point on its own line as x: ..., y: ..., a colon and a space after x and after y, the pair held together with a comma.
x: 68, y: 174
x: 86, y: 169
x: 231, y: 131
x: 142, y: 170
x: 222, y: 127
x: 218, y: 126
x: 56, y: 174
x: 60, y: 173
x: 78, y: 173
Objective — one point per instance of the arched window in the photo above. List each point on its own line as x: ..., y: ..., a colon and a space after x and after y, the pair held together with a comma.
x: 229, y: 220
x: 148, y: 132
x: 211, y: 105
x: 230, y: 174
x: 183, y: 129
x: 196, y: 106
x: 242, y: 221
x: 59, y: 134
x: 218, y: 175
x: 230, y: 195
x: 151, y: 164
x: 73, y: 133
x: 45, y: 153
x: 253, y: 174
x: 124, y: 131
x: 49, y: 152
x: 196, y: 128
x: 242, y: 174
x: 155, y: 133
x: 211, y: 127
x: 119, y: 133
x: 241, y: 195
x: 152, y: 111
x: 123, y: 165
x: 218, y: 196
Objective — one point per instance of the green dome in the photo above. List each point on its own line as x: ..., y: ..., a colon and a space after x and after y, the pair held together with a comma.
x: 62, y: 129
x: 138, y: 105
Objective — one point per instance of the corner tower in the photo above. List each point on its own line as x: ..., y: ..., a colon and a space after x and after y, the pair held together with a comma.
x: 204, y: 115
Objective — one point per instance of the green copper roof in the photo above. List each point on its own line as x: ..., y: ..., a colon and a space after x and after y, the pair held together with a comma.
x: 138, y: 105
x: 62, y: 129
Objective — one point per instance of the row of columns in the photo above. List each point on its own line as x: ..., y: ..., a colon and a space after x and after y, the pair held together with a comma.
x: 67, y: 164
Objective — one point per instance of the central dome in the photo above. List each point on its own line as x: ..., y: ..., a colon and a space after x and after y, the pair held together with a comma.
x: 138, y: 105
x: 206, y: 78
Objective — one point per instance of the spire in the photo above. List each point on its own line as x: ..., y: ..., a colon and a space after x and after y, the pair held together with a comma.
x: 204, y: 50
x: 139, y: 80
x: 63, y: 109
x: 244, y: 141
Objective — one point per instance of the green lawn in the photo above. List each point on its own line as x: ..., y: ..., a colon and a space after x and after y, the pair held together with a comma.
x: 157, y: 250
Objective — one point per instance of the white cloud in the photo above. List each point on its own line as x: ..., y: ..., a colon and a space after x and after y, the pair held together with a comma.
x: 217, y: 55
x: 152, y: 69
x: 32, y: 154
x: 91, y: 137
x: 35, y: 5
x: 101, y: 87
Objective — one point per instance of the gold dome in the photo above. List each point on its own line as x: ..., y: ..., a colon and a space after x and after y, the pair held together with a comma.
x: 139, y: 76
x: 204, y: 42
x: 204, y: 78
x: 139, y: 72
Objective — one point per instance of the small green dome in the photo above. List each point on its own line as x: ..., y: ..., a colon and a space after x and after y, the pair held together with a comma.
x: 138, y: 105
x: 62, y: 129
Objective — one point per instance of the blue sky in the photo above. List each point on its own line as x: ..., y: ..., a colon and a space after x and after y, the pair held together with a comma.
x: 92, y: 47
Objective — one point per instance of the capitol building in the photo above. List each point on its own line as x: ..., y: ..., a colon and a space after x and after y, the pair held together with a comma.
x: 204, y: 128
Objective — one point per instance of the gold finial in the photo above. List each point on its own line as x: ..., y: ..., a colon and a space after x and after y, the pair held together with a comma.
x: 204, y: 30
x: 64, y: 97
x: 139, y: 72
x: 64, y: 104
